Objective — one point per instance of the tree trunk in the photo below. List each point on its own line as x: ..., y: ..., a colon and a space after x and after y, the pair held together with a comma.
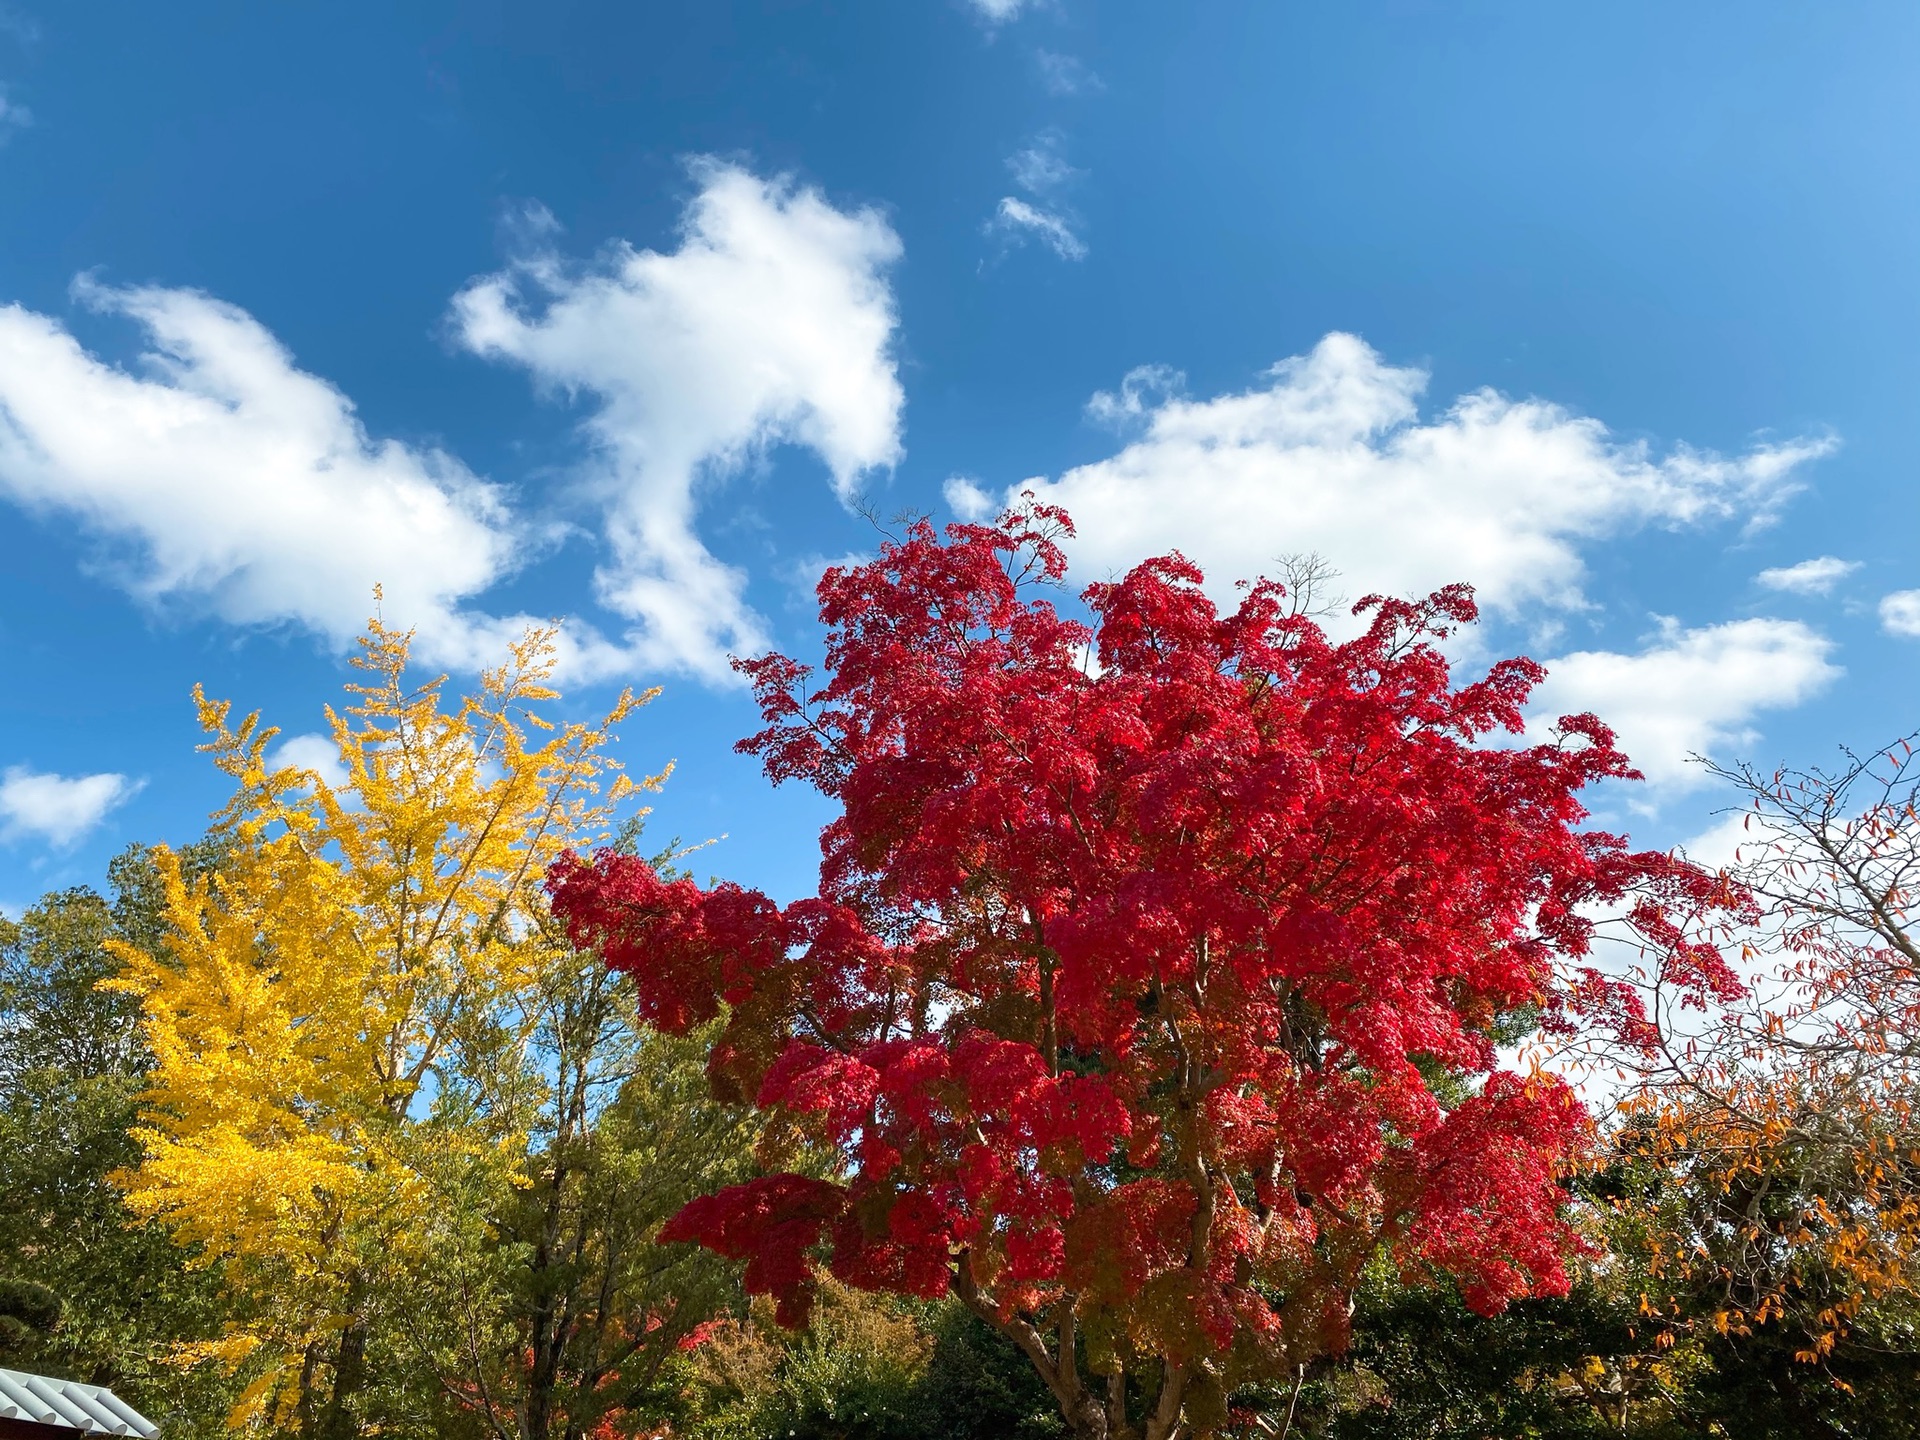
x: 545, y: 1338
x: 1089, y: 1421
x: 306, y: 1414
x: 349, y: 1376
x: 549, y: 1322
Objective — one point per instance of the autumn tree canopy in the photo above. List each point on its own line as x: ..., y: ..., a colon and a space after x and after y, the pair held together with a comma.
x: 1787, y: 1124
x: 342, y: 1010
x: 1153, y: 980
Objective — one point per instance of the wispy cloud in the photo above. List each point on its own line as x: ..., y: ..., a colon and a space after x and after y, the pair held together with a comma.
x: 1066, y: 75
x: 1040, y: 169
x: 1143, y: 390
x: 1017, y: 220
x: 1809, y: 577
x: 999, y: 12
x: 13, y: 116
x: 21, y: 26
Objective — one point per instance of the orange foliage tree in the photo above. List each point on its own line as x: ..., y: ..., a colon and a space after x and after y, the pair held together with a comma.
x: 1785, y: 1124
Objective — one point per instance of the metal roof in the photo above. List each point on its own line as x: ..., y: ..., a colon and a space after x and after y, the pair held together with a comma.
x: 69, y: 1405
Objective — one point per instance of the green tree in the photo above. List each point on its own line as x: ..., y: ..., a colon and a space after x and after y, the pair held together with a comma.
x: 535, y: 1299
x: 1425, y: 1367
x: 1788, y: 1371
x: 1622, y: 1354
x: 86, y: 1290
x: 977, y: 1386
x: 28, y: 1311
x: 855, y: 1373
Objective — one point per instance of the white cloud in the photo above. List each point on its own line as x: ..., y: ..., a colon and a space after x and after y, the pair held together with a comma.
x: 803, y: 574
x: 1900, y: 614
x: 1017, y: 220
x: 998, y: 12
x: 1726, y: 842
x: 968, y: 499
x: 1809, y: 577
x: 1143, y: 390
x: 772, y: 323
x: 222, y: 476
x: 1043, y: 172
x: 59, y: 809
x: 1039, y: 168
x: 1690, y: 692
x: 13, y: 116
x: 1330, y: 456
x: 1066, y: 75
x: 314, y: 752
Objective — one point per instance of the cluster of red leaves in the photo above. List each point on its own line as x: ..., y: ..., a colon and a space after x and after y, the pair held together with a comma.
x: 1137, y: 947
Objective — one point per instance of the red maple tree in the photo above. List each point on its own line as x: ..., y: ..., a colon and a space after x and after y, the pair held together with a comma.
x: 1139, y: 951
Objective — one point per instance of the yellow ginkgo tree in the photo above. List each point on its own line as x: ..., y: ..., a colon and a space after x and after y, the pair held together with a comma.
x: 372, y: 943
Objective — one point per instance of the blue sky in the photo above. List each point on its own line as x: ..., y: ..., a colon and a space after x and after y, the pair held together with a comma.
x: 616, y: 312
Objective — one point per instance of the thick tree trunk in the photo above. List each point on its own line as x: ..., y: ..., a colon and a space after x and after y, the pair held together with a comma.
x: 1088, y: 1421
